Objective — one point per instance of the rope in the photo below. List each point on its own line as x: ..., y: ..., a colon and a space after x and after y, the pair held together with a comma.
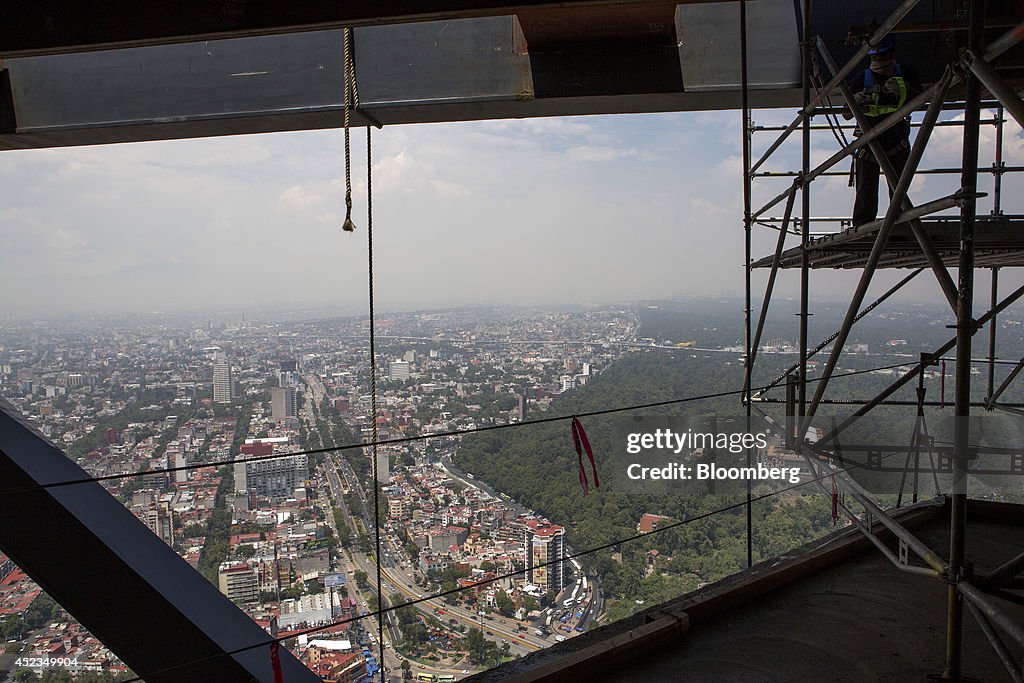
x: 351, y: 99
x: 373, y: 389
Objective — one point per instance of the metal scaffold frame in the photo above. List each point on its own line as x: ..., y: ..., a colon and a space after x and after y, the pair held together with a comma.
x: 972, y: 68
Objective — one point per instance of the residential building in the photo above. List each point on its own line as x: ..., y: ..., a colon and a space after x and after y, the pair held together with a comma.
x: 238, y: 582
x: 223, y: 383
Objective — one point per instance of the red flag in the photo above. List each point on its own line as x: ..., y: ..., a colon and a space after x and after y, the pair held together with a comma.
x: 582, y: 443
x: 275, y: 653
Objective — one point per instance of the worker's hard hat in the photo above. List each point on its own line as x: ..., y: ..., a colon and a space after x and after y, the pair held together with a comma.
x: 885, y: 45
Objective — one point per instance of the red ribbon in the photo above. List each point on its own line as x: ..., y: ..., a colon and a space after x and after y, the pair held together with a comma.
x: 582, y: 443
x: 275, y: 662
x: 275, y: 653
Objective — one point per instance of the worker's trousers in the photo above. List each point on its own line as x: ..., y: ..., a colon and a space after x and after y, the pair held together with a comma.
x: 866, y: 170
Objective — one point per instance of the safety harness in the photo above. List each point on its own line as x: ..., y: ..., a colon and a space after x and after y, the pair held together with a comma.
x: 877, y: 107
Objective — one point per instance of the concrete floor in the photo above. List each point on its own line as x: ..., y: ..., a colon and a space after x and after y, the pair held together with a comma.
x: 857, y: 618
x: 861, y: 621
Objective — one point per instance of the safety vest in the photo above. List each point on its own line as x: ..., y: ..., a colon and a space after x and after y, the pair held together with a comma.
x: 877, y: 108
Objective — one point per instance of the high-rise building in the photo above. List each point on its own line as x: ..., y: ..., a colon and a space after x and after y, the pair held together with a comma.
x: 177, y: 457
x: 277, y: 478
x: 522, y: 406
x: 283, y: 402
x: 223, y: 382
x: 238, y: 582
x: 545, y: 543
x: 288, y: 374
x: 383, y: 467
x: 399, y: 369
x: 156, y: 515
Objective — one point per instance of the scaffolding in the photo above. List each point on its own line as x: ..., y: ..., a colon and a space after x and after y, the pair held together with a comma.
x: 908, y: 237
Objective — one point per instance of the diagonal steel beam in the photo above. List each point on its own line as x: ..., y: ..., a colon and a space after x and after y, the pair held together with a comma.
x: 898, y: 197
x: 114, y: 575
x: 1006, y: 382
x: 999, y: 88
x: 949, y: 289
x: 829, y: 339
x: 769, y: 288
x: 913, y: 372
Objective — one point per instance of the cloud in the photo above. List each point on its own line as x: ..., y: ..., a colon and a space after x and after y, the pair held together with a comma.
x: 592, y: 153
x: 298, y: 197
x: 465, y: 212
x: 449, y: 189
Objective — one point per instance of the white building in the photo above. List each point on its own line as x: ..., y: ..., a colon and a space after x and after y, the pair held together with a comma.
x: 399, y: 370
x: 284, y: 402
x: 223, y: 383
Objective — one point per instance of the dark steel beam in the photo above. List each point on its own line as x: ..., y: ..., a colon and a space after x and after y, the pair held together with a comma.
x: 898, y: 196
x: 999, y: 88
x: 992, y: 336
x: 994, y: 396
x: 829, y: 339
x: 749, y: 365
x: 52, y: 27
x: 105, y: 567
x: 769, y: 288
x: 913, y: 372
x: 805, y: 195
x: 965, y: 329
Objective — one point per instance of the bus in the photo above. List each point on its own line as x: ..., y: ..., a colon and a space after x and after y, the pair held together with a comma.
x: 428, y: 678
x: 446, y: 678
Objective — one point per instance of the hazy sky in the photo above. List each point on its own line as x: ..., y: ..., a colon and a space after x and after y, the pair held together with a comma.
x: 583, y: 209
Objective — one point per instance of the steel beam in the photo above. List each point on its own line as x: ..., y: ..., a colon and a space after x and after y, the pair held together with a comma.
x: 805, y: 198
x: 965, y: 329
x: 913, y: 372
x: 898, y: 196
x: 892, y: 174
x: 116, y: 577
x: 769, y: 287
x: 749, y: 365
x: 997, y: 644
x: 999, y: 88
x: 991, y: 610
x: 809, y: 104
x: 992, y: 335
x: 829, y: 339
x: 993, y: 397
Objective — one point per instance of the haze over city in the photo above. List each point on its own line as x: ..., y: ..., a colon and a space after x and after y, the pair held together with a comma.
x: 584, y: 209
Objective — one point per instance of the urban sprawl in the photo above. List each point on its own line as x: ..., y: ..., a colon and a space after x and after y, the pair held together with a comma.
x: 293, y: 538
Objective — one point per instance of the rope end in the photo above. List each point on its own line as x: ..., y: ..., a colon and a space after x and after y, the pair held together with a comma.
x: 348, y: 225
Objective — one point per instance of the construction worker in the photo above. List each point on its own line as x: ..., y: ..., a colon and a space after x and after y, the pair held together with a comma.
x: 879, y: 90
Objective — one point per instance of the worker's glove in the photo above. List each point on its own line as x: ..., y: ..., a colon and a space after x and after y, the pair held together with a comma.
x: 891, y: 87
x: 862, y: 98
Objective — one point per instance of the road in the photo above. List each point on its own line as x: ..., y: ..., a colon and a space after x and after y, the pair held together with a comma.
x: 340, y: 477
x: 403, y: 583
